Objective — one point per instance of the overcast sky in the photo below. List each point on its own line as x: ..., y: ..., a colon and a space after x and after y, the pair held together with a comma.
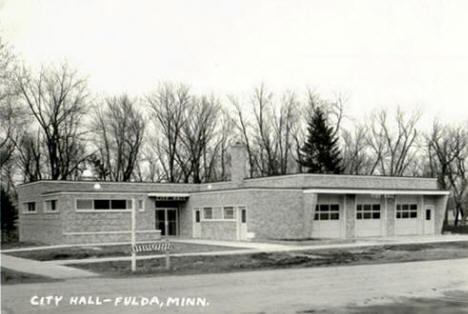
x: 379, y: 53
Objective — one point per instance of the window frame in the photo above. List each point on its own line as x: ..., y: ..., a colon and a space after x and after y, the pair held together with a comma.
x: 406, y: 209
x: 233, y: 213
x: 109, y: 210
x: 370, y: 211
x: 204, y: 208
x: 26, y: 208
x: 47, y: 210
x: 323, y: 210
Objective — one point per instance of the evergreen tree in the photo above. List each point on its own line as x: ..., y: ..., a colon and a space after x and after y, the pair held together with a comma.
x: 8, y: 216
x: 320, y: 153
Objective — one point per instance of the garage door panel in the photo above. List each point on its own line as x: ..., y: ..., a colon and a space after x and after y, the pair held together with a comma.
x: 368, y: 228
x: 326, y: 229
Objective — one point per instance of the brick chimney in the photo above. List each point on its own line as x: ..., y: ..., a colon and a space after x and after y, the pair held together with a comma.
x: 238, y: 162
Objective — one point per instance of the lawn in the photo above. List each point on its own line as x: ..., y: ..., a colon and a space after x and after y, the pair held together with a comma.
x: 18, y: 245
x: 312, y: 258
x: 82, y: 252
x: 13, y: 277
x: 457, y: 229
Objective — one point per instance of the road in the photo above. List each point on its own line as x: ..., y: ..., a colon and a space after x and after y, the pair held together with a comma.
x: 277, y: 291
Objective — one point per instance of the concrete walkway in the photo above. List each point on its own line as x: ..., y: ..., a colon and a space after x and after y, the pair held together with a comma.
x: 42, y: 269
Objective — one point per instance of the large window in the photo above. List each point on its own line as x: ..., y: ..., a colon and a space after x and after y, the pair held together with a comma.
x: 102, y: 204
x: 327, y: 212
x: 50, y: 206
x: 406, y: 211
x: 30, y: 207
x: 368, y: 211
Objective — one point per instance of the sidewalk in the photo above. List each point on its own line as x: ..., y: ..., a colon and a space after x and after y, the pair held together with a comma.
x: 42, y: 269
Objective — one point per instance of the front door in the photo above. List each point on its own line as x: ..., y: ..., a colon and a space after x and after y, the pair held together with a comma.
x: 429, y: 220
x: 242, y: 223
x: 166, y: 221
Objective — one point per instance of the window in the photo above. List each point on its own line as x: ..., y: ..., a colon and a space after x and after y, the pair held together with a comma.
x: 141, y: 205
x: 50, y: 206
x: 428, y: 214
x: 228, y: 212
x: 30, y: 207
x: 406, y: 211
x: 207, y: 213
x: 243, y: 215
x: 197, y: 215
x: 327, y: 212
x: 368, y: 211
x: 101, y: 204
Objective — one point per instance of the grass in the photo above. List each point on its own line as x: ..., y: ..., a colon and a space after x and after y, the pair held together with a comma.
x: 313, y: 258
x: 82, y: 252
x: 10, y: 277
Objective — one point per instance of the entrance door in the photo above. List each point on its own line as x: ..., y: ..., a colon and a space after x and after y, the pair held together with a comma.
x: 166, y: 221
x: 429, y: 220
x: 196, y: 223
x: 242, y: 223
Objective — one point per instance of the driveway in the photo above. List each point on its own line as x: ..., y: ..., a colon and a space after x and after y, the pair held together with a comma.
x: 278, y: 291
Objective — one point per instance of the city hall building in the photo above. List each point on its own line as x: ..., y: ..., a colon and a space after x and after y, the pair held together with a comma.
x: 300, y: 206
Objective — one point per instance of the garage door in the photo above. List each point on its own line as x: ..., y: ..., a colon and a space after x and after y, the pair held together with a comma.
x: 406, y: 220
x: 368, y: 220
x: 327, y: 223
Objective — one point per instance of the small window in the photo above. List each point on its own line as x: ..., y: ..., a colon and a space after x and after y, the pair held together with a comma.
x: 118, y: 204
x: 197, y: 215
x: 428, y: 214
x: 141, y: 205
x: 406, y: 211
x: 244, y: 216
x: 228, y: 212
x: 207, y: 213
x: 50, y: 206
x: 30, y: 207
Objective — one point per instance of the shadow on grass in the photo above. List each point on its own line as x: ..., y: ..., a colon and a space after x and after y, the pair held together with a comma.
x: 12, y: 277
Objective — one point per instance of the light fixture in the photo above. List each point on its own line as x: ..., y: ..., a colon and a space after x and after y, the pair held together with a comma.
x: 97, y: 186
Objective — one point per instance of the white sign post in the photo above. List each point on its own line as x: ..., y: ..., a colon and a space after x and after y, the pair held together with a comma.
x: 133, y: 236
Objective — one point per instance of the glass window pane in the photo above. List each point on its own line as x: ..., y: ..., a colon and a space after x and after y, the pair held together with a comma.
x: 323, y: 207
x: 376, y: 215
x: 84, y: 204
x: 118, y: 204
x: 207, y: 213
x: 405, y: 207
x: 335, y: 207
x: 414, y: 214
x: 359, y: 216
x: 244, y: 216
x: 367, y: 207
x: 229, y: 212
x: 398, y: 215
x: 376, y: 207
x: 101, y: 204
x: 405, y: 214
x: 359, y: 207
x: 316, y: 216
x: 334, y: 216
x: 398, y: 207
x: 197, y: 216
x: 323, y: 216
x: 367, y: 215
x: 414, y: 207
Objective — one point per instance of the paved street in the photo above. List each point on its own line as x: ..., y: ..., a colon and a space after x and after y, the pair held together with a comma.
x: 278, y: 291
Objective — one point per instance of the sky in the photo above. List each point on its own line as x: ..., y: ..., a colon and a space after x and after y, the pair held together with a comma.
x: 377, y: 53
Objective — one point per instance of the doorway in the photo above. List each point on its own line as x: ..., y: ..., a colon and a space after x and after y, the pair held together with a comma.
x: 167, y: 221
x: 429, y: 220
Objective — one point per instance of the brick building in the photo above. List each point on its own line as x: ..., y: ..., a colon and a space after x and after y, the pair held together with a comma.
x: 296, y: 206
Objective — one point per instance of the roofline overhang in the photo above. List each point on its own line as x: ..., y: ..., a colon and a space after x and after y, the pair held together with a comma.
x: 162, y: 194
x: 384, y: 192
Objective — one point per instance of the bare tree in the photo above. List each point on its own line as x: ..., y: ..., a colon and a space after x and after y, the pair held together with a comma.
x: 119, y: 129
x: 356, y: 159
x: 448, y: 154
x: 57, y: 99
x: 393, y: 151
x: 168, y: 103
x: 198, y: 134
